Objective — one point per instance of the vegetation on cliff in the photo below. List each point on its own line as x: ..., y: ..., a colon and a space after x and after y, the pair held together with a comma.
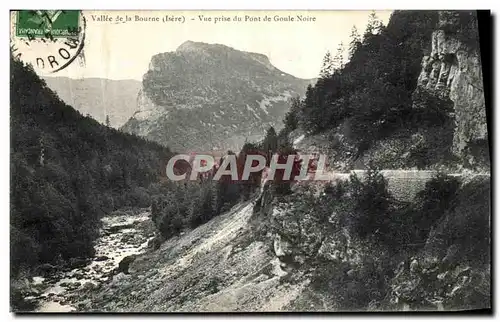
x: 366, y: 250
x: 371, y: 107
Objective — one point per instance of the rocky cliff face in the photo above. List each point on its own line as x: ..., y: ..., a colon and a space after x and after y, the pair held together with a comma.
x: 453, y: 71
x: 205, y: 96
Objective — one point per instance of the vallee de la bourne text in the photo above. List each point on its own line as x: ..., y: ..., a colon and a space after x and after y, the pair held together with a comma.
x: 203, y: 18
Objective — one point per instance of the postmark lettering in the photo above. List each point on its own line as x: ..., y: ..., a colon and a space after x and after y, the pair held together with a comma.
x: 49, y: 40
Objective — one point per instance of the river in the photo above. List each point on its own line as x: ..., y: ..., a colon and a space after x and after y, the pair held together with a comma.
x: 120, y: 236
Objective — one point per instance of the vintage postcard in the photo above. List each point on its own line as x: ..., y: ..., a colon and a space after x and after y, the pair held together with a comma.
x: 249, y: 161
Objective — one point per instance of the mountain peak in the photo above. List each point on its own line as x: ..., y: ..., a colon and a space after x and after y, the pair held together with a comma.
x: 199, y: 47
x: 227, y: 95
x: 190, y: 45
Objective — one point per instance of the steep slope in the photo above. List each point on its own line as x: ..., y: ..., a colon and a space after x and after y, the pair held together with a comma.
x: 98, y: 97
x: 219, y: 266
x: 206, y: 96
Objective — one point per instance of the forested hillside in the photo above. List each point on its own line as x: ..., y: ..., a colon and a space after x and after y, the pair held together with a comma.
x: 378, y: 104
x: 67, y: 170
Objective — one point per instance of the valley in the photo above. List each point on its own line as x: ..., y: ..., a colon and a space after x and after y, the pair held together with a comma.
x: 400, y: 220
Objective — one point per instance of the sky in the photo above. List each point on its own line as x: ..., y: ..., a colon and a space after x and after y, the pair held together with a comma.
x: 123, y: 50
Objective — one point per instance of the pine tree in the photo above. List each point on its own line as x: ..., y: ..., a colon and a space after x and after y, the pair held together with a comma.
x: 270, y: 143
x: 309, y: 111
x: 370, y: 27
x: 327, y: 67
x: 291, y: 118
x: 338, y: 60
x: 107, y: 121
x: 355, y: 41
x: 375, y: 25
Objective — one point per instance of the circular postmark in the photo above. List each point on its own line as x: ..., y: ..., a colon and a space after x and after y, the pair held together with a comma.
x: 49, y: 40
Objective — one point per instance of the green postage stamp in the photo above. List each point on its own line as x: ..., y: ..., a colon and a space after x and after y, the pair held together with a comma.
x: 47, y: 23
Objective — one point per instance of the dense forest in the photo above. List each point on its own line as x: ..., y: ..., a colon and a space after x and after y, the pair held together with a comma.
x: 67, y: 170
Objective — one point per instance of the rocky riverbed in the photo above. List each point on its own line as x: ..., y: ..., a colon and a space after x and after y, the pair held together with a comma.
x: 122, y: 234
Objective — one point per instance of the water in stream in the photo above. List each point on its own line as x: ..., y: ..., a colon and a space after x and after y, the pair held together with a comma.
x: 120, y: 236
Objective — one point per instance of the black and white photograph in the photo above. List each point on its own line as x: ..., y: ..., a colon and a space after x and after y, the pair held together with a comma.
x: 250, y: 161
